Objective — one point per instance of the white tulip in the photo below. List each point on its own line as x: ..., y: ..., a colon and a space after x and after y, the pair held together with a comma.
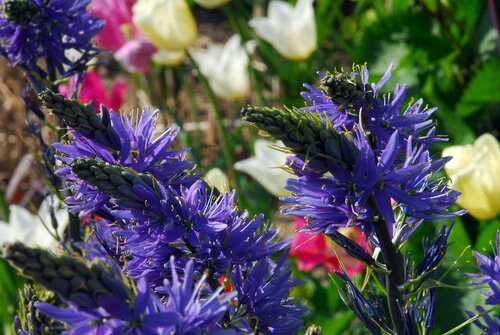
x: 265, y: 167
x: 211, y: 4
x: 291, y: 30
x: 475, y: 172
x: 31, y: 229
x: 168, y: 24
x: 226, y: 68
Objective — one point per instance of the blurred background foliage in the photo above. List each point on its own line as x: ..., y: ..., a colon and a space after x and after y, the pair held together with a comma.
x: 446, y: 51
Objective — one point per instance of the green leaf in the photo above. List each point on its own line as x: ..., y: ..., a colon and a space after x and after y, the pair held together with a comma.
x: 482, y: 90
x: 487, y: 234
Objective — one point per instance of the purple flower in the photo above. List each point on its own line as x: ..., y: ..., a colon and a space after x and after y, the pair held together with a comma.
x: 490, y: 273
x: 374, y: 185
x: 489, y: 268
x: 34, y: 29
x: 263, y: 288
x: 370, y: 311
x: 349, y: 101
x: 145, y: 316
x: 138, y: 149
x: 199, y: 312
x: 433, y: 253
x: 388, y: 174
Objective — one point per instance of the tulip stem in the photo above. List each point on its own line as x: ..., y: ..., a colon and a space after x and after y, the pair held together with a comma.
x: 198, y: 135
x: 160, y: 101
x: 226, y: 148
x: 238, y: 27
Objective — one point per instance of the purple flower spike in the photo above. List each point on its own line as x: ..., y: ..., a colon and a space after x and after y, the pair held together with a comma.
x: 34, y: 29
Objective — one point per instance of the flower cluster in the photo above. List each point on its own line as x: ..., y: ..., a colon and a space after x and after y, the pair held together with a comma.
x: 59, y: 32
x: 362, y: 160
x: 201, y: 265
x: 99, y: 301
x: 370, y: 162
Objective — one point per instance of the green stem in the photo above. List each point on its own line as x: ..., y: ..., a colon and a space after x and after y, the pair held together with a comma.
x: 198, y: 135
x: 226, y: 148
x: 395, y: 278
x: 160, y: 101
x: 237, y: 26
x: 469, y: 321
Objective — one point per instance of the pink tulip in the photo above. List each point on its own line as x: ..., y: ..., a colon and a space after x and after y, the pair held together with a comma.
x: 121, y: 36
x: 93, y: 89
x: 313, y: 250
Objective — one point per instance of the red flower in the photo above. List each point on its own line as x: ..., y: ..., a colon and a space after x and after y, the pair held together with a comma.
x: 93, y: 90
x: 313, y: 250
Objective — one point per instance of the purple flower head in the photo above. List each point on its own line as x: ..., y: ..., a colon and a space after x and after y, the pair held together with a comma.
x: 433, y: 253
x: 349, y: 101
x: 146, y: 315
x: 138, y: 149
x: 368, y: 309
x: 206, y: 227
x: 489, y: 324
x: 489, y: 268
x: 51, y: 30
x: 382, y: 171
x: 263, y: 288
x: 199, y: 310
x: 374, y: 185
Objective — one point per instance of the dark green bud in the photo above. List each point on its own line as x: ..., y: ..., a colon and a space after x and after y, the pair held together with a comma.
x: 69, y: 276
x: 306, y: 134
x: 114, y: 180
x: 348, y: 90
x: 29, y: 318
x: 20, y: 11
x: 82, y: 118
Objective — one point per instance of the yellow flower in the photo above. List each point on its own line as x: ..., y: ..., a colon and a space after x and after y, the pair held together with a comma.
x: 169, y: 58
x: 168, y: 24
x: 291, y: 30
x: 211, y: 4
x: 475, y: 172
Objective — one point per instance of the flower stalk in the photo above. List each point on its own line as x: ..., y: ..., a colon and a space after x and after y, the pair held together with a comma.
x: 226, y: 148
x: 394, y: 278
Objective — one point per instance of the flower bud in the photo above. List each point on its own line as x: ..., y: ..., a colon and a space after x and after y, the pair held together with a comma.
x: 226, y: 68
x: 475, y: 172
x: 168, y: 24
x: 291, y: 30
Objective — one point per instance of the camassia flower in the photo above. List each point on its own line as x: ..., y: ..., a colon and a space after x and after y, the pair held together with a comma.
x: 362, y: 160
x: 32, y: 30
x: 474, y: 171
x: 93, y: 90
x: 226, y: 68
x: 154, y: 208
x: 313, y: 250
x: 168, y: 24
x: 369, y: 160
x: 291, y: 30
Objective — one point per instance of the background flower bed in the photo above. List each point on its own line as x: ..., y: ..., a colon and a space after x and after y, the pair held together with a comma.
x: 447, y: 54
